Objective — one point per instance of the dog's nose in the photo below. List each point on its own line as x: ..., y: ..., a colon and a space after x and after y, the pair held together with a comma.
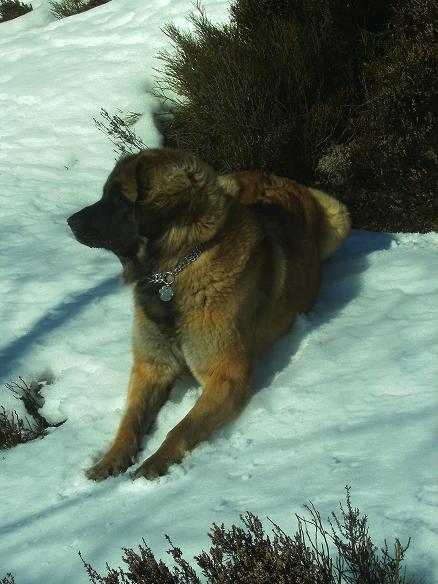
x: 74, y: 221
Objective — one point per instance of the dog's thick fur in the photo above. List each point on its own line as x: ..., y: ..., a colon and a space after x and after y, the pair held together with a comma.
x: 266, y: 237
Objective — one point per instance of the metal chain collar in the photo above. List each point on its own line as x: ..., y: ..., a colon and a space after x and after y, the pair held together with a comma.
x: 168, y: 277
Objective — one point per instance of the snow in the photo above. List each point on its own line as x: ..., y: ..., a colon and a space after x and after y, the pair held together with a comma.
x: 348, y: 397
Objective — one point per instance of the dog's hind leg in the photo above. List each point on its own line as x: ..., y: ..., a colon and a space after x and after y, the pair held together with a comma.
x: 225, y: 392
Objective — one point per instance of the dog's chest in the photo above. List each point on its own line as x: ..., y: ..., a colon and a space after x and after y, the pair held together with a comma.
x: 159, y: 308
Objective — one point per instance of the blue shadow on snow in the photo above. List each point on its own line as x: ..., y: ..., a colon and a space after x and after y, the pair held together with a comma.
x: 341, y: 283
x: 54, y: 318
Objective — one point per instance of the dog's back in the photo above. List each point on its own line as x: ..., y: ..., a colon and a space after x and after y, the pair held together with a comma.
x: 329, y: 217
x: 302, y: 227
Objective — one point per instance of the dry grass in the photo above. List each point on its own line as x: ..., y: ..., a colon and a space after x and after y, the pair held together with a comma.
x: 15, y: 430
x: 339, y: 552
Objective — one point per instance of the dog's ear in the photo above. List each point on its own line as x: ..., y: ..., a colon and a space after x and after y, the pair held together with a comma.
x: 175, y: 179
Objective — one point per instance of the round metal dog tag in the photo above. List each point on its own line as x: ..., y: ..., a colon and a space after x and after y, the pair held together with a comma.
x: 166, y: 293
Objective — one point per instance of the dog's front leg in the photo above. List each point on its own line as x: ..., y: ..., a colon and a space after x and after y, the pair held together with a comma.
x: 225, y: 391
x: 148, y: 389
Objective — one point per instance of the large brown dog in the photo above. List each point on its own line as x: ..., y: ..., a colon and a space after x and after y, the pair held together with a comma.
x: 221, y: 266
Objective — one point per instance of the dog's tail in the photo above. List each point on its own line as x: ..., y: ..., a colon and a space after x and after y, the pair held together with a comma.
x: 336, y: 225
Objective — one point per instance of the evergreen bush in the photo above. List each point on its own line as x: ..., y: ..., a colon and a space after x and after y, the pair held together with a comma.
x: 332, y: 92
x: 393, y: 154
x: 10, y: 9
x: 258, y: 93
x: 63, y: 8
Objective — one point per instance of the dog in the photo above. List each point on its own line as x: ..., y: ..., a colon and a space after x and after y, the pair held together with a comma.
x: 221, y: 266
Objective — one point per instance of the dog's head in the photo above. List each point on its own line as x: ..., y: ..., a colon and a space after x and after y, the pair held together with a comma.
x: 156, y: 195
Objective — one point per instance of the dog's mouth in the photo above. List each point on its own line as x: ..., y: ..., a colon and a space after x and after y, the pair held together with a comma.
x: 89, y: 241
x: 122, y: 250
x: 92, y: 240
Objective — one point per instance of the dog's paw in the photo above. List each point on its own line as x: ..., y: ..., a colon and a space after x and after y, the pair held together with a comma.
x: 152, y: 468
x: 108, y: 466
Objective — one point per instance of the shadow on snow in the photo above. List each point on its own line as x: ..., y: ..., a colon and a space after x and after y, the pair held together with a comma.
x: 341, y: 283
x: 54, y: 318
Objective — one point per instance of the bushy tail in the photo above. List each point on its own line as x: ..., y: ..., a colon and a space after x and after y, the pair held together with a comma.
x: 337, y: 223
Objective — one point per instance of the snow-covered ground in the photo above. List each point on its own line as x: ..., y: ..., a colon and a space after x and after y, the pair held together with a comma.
x: 348, y: 397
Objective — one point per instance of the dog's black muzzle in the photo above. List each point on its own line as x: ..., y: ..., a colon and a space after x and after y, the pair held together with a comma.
x: 105, y: 225
x: 87, y: 226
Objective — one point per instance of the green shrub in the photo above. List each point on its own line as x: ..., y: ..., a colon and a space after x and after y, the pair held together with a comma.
x: 393, y: 155
x: 64, y: 8
x: 329, y: 91
x: 248, y: 555
x: 253, y: 94
x: 10, y: 9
